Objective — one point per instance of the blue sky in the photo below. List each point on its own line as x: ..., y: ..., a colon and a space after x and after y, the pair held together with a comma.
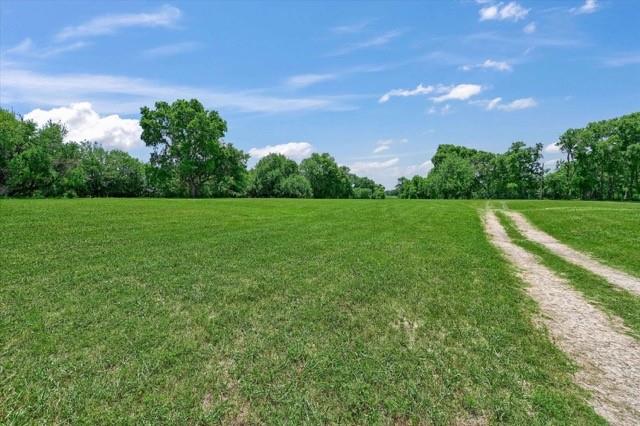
x: 377, y: 84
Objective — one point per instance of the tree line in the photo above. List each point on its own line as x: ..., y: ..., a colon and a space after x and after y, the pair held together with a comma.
x: 601, y: 162
x: 189, y: 158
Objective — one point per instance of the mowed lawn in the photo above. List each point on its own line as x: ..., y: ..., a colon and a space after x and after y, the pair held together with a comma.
x: 268, y: 311
x: 609, y: 231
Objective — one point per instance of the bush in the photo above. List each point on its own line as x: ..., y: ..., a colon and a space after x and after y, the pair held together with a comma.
x: 295, y: 186
x: 378, y: 193
x: 362, y: 193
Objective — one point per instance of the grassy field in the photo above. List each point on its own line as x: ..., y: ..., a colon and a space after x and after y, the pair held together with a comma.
x: 608, y: 230
x: 274, y: 311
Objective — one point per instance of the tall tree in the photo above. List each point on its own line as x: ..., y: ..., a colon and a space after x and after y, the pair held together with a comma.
x: 187, y: 144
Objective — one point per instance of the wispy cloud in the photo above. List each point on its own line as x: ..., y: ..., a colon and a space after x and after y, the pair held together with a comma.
x: 126, y: 95
x: 385, y: 144
x: 24, y: 47
x: 420, y: 90
x: 166, y: 16
x: 305, y: 80
x: 498, y: 104
x: 458, y: 92
x: 418, y: 169
x: 171, y: 49
x: 491, y: 65
x: 381, y: 148
x: 623, y: 59
x: 27, y: 48
x: 388, y: 171
x: 444, y: 110
x: 376, y: 41
x: 300, y: 81
x: 293, y: 150
x: 366, y: 167
x: 528, y: 41
x: 503, y: 12
x: 589, y: 6
x: 353, y: 28
x: 530, y: 28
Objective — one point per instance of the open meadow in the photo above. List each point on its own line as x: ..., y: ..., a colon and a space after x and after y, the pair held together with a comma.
x: 273, y: 311
x: 320, y: 213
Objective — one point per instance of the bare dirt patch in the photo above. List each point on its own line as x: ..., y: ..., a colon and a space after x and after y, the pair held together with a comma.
x: 609, y: 359
x: 614, y: 276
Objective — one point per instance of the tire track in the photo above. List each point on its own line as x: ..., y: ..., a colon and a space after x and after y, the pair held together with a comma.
x: 609, y: 359
x: 612, y: 275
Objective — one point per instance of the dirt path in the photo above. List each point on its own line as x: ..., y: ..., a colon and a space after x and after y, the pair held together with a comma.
x: 609, y: 359
x: 614, y: 276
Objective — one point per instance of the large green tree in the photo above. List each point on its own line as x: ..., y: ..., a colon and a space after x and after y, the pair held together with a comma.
x: 187, y: 142
x: 29, y: 157
x: 327, y: 179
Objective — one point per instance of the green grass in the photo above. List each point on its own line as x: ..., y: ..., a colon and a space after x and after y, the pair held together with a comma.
x: 274, y: 311
x: 610, y: 231
x: 609, y: 297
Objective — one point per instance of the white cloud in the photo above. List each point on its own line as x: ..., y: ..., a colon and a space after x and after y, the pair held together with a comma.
x: 589, y: 6
x: 460, y: 92
x: 493, y: 103
x: 491, y: 65
x: 166, y: 16
x: 388, y: 171
x: 489, y: 12
x: 304, y: 80
x: 294, y: 150
x: 496, y: 104
x: 551, y: 165
x: 418, y: 169
x: 368, y: 167
x: 384, y: 144
x: 552, y: 148
x: 518, y: 104
x: 380, y: 149
x: 171, y: 49
x: 126, y: 95
x: 530, y: 28
x: 376, y: 41
x: 510, y: 12
x: 420, y: 90
x: 496, y: 65
x: 83, y: 123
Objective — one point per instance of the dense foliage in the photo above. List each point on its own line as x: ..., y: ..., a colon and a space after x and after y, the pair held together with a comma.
x: 189, y: 158
x: 277, y: 176
x: 602, y: 163
x: 36, y: 162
